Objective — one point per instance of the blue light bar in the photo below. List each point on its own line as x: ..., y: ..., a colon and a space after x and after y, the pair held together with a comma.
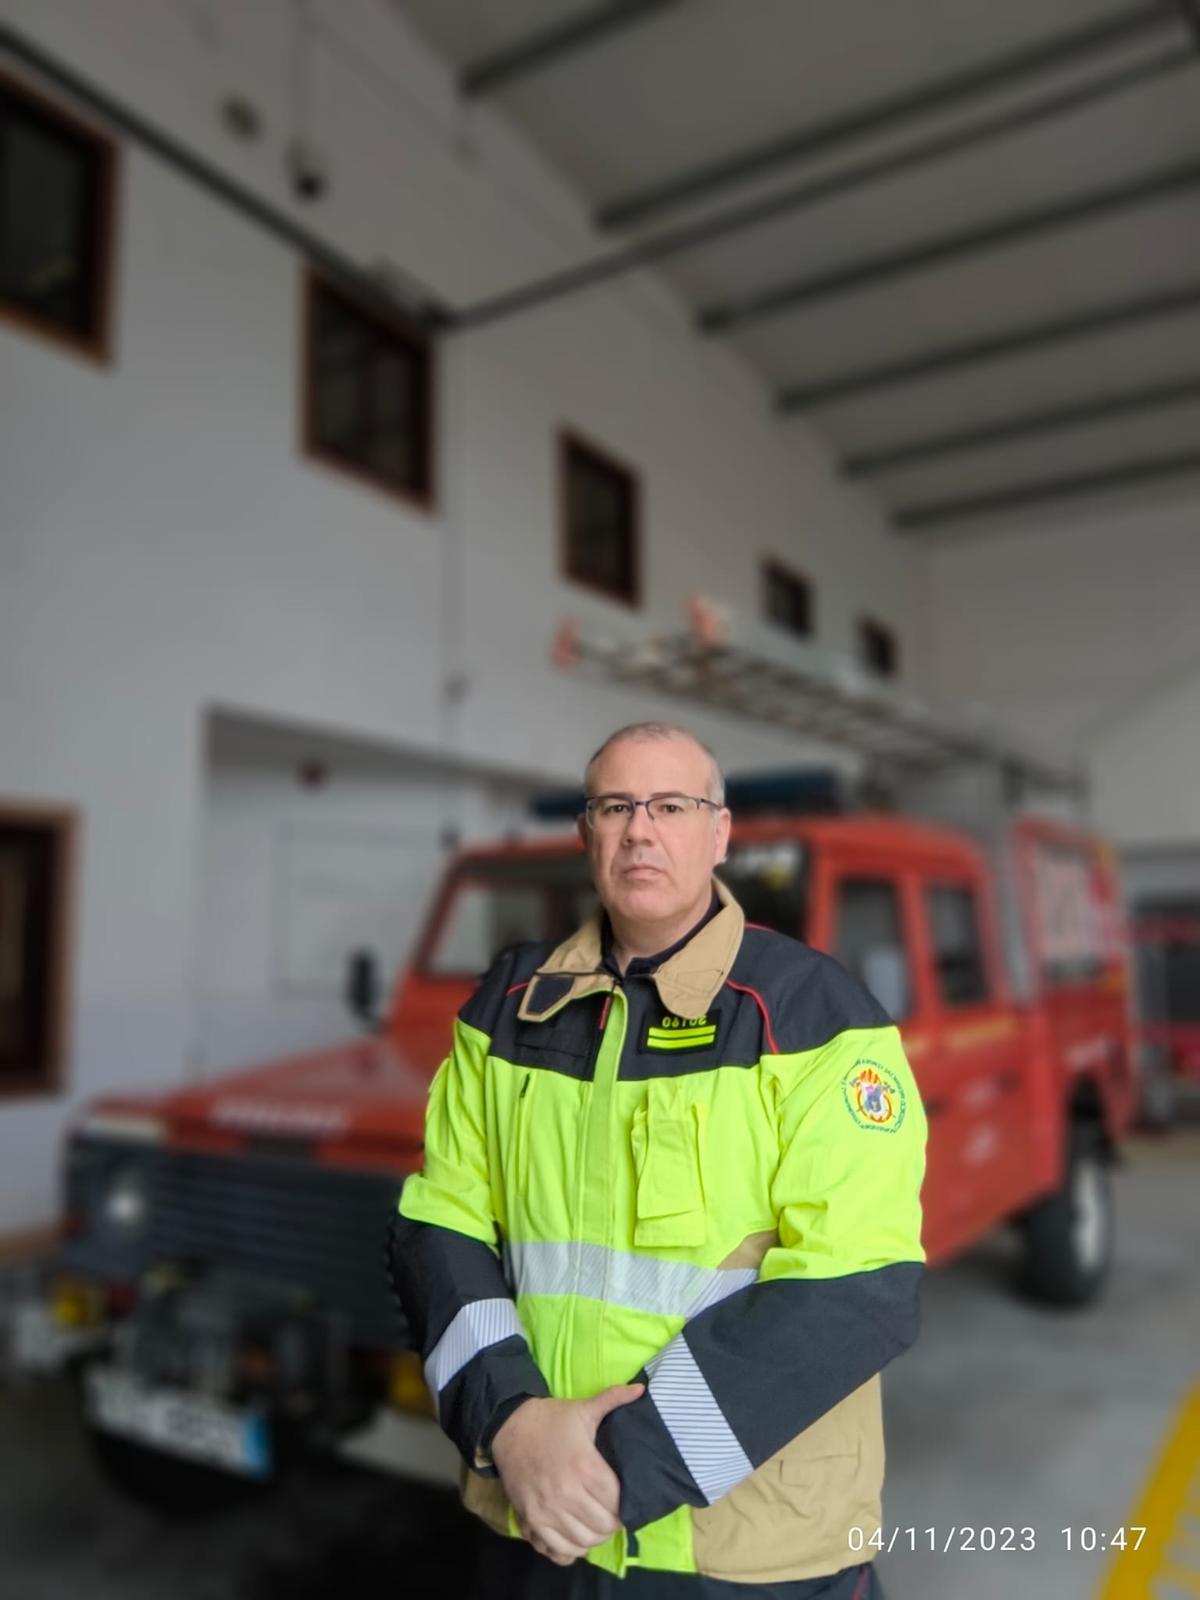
x: 557, y: 805
x: 787, y: 789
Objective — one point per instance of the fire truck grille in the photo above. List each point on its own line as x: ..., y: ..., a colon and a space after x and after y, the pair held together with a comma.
x: 315, y: 1232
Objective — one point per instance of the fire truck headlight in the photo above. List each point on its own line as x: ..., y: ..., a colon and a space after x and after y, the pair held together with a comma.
x: 126, y: 1204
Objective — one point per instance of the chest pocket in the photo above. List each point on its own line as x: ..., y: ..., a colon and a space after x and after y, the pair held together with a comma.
x: 667, y: 1136
x: 560, y: 1044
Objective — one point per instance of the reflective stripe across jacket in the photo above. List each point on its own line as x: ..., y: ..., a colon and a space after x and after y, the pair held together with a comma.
x: 706, y: 1178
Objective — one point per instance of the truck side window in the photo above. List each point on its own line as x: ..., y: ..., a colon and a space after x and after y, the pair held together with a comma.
x: 870, y: 941
x: 957, y: 946
x: 484, y: 918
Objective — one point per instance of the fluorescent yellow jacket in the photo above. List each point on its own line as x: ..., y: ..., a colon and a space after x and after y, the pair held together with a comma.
x: 704, y: 1175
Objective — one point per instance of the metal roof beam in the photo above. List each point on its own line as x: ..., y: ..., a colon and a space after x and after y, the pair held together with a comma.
x: 738, y: 219
x: 893, y: 111
x: 1026, y: 337
x: 1030, y: 425
x: 1013, y: 497
x: 938, y: 251
x: 550, y: 45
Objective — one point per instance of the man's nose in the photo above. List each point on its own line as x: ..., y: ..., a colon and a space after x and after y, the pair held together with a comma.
x: 638, y: 828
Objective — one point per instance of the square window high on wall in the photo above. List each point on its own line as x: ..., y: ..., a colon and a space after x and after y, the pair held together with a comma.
x: 787, y: 599
x: 36, y: 852
x: 368, y: 393
x: 599, y: 500
x: 878, y: 650
x: 56, y: 209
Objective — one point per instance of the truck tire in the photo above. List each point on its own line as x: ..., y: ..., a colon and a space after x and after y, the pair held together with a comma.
x: 1068, y: 1236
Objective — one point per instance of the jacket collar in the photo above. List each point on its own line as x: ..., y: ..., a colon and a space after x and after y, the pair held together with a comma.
x: 687, y: 982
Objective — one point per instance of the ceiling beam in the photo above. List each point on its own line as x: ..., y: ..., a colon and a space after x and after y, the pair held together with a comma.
x: 553, y: 44
x: 738, y: 219
x: 1028, y: 425
x: 1039, y: 491
x: 894, y: 111
x: 941, y: 249
x: 1021, y: 340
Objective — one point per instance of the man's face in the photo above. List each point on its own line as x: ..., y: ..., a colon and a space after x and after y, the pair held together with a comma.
x: 653, y: 872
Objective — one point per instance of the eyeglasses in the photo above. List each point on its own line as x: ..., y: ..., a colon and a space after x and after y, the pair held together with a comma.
x: 610, y: 813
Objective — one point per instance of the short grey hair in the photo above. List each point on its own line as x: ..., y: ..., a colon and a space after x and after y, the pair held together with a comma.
x: 661, y: 730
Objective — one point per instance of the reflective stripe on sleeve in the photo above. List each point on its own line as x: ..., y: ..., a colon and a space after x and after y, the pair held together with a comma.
x: 695, y: 1421
x: 620, y: 1277
x: 474, y: 1328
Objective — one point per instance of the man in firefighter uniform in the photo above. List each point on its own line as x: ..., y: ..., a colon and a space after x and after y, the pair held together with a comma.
x: 668, y: 1230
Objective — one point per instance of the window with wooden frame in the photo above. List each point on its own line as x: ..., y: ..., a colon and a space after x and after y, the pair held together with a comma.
x: 36, y: 865
x: 368, y: 393
x: 57, y: 178
x: 878, y: 649
x: 787, y: 599
x: 599, y: 511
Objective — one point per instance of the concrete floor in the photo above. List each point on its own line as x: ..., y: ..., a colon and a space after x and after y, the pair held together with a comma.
x: 1002, y: 1415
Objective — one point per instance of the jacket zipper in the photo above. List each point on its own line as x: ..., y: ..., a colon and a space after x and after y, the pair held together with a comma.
x: 585, y: 1143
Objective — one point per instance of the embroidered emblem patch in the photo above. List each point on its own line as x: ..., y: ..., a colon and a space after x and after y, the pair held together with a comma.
x: 874, y: 1096
x: 681, y: 1033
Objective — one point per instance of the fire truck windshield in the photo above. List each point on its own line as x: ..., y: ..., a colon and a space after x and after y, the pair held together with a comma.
x: 499, y: 901
x: 769, y: 882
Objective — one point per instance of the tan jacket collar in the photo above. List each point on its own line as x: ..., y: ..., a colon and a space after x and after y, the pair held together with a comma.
x: 687, y: 982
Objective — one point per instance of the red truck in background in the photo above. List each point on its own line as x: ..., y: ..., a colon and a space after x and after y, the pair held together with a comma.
x: 1165, y: 931
x: 223, y: 1243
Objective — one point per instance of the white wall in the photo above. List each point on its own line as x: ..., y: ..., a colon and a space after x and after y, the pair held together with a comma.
x: 165, y: 550
x: 1082, y: 632
x: 296, y: 874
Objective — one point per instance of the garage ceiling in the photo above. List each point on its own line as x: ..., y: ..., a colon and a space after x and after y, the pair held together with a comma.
x: 963, y: 239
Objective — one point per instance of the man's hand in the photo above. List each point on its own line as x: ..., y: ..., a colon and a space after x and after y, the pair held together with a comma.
x: 565, y: 1495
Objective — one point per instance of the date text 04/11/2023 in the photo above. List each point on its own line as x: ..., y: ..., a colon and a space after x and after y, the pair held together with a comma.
x: 988, y: 1539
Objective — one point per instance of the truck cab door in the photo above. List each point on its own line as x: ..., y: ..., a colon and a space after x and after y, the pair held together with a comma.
x: 978, y: 1053
x: 867, y: 911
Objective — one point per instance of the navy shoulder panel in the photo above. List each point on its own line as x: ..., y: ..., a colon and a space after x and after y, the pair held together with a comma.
x: 513, y: 967
x: 808, y: 997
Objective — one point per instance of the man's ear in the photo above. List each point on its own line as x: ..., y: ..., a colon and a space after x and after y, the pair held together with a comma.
x: 582, y: 829
x: 724, y: 824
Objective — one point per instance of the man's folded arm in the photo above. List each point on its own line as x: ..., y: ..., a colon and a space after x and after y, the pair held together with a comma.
x: 834, y: 1302
x: 445, y: 1266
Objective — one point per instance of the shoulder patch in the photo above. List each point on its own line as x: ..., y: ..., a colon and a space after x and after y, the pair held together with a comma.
x: 874, y: 1096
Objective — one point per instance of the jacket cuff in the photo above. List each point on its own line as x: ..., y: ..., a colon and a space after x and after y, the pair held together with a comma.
x: 635, y: 1442
x: 483, y: 1393
x: 483, y: 1462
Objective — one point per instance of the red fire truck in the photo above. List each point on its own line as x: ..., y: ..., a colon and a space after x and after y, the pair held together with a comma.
x: 223, y: 1244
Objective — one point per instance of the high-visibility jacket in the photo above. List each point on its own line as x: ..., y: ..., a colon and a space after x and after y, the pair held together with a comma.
x: 705, y: 1177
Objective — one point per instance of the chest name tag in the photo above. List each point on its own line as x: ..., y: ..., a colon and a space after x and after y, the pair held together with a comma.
x: 681, y: 1033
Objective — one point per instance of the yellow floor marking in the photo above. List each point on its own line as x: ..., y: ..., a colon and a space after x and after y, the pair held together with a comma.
x: 1166, y: 1563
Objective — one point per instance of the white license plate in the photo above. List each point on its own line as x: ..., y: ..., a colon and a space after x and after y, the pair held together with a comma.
x: 179, y: 1423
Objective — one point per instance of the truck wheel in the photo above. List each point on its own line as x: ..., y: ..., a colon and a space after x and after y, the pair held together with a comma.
x: 1068, y: 1236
